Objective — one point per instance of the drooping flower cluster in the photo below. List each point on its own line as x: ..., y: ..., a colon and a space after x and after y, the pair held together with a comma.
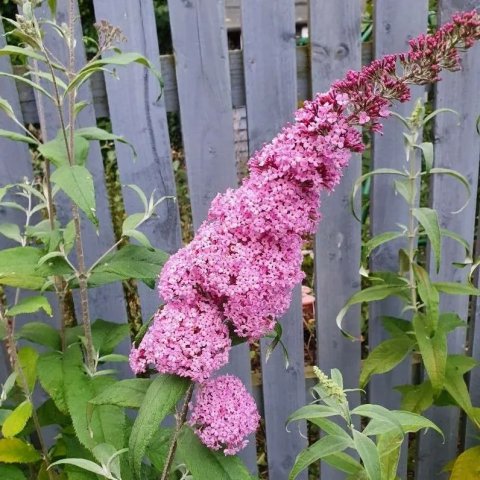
x: 238, y: 273
x: 224, y: 414
x: 186, y: 340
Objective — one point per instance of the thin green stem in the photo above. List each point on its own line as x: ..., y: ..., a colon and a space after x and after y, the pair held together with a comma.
x: 412, y: 232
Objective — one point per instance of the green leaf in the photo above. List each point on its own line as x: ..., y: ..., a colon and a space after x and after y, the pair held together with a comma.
x: 405, y: 188
x: 95, y: 133
x: 360, y: 180
x: 467, y: 465
x: 52, y: 5
x: 396, y: 326
x: 31, y: 305
x: 18, y: 267
x: 385, y: 356
x: 69, y: 236
x: 131, y: 261
x: 388, y: 446
x: 410, y: 423
x: 416, y: 398
x: 378, y: 240
x: 50, y: 375
x: 23, y: 52
x: 454, y: 288
x: 140, y: 237
x: 7, y: 108
x: 17, y: 420
x: 107, y: 422
x: 14, y: 450
x: 161, y: 397
x: 458, y: 238
x: 119, y: 59
x: 331, y: 428
x: 458, y: 176
x: 324, y: 447
x: 428, y: 218
x: 377, y: 412
x: 11, y: 231
x: 27, y: 358
x: 157, y: 451
x: 87, y: 465
x: 108, y: 335
x: 427, y: 150
x: 56, y: 151
x: 17, y: 137
x: 345, y: 463
x: 311, y: 412
x: 10, y: 472
x: 77, y: 183
x: 429, y: 296
x: 436, y: 112
x: 125, y: 393
x: 433, y: 348
x: 34, y: 85
x: 205, y: 464
x: 457, y: 366
x: 132, y: 221
x: 369, y: 455
x: 370, y: 294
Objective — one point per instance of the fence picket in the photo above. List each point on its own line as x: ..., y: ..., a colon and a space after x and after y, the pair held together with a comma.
x: 206, y: 114
x: 393, y: 28
x: 106, y: 303
x: 136, y: 113
x: 271, y: 93
x: 335, y: 48
x: 457, y: 146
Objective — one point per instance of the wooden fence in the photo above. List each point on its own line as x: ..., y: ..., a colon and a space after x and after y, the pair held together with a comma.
x: 269, y: 76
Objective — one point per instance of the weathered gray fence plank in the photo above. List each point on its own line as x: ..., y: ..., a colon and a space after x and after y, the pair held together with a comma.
x: 270, y: 80
x: 136, y: 113
x: 458, y: 147
x: 335, y: 48
x: 106, y: 302
x: 15, y: 164
x: 393, y: 28
x: 206, y: 114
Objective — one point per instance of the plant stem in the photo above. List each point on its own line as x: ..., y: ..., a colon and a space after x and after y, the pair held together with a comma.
x: 412, y: 230
x: 181, y: 418
x: 65, y: 301
x: 17, y: 368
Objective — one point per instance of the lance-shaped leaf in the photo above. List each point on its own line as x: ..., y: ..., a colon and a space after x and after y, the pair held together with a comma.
x: 386, y: 356
x: 77, y: 182
x: 433, y: 348
x: 119, y: 59
x: 369, y: 454
x: 17, y: 420
x: 457, y: 176
x: 56, y: 151
x: 467, y: 465
x: 17, y: 137
x: 454, y: 288
x: 378, y: 240
x: 95, y: 133
x: 324, y: 447
x: 429, y: 296
x: 126, y: 393
x: 428, y: 218
x: 370, y: 294
x: 204, y: 463
x: 14, y: 450
x: 160, y: 400
x: 358, y: 183
x: 31, y: 305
